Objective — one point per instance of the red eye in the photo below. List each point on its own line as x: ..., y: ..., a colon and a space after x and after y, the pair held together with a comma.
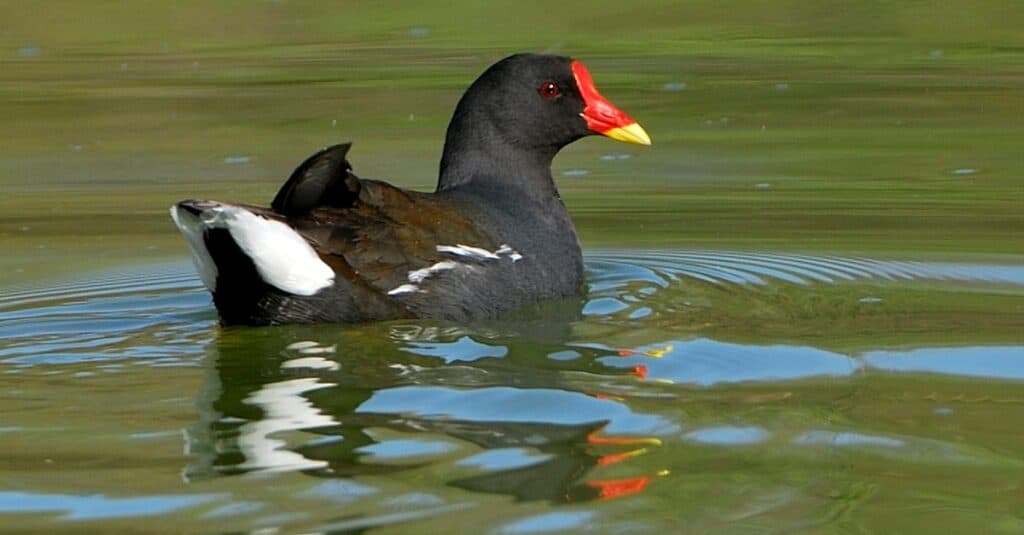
x: 548, y: 90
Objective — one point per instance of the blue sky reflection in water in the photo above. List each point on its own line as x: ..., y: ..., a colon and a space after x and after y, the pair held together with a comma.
x: 420, y: 422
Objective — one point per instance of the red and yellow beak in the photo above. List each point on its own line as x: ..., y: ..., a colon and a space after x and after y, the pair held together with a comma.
x: 602, y: 116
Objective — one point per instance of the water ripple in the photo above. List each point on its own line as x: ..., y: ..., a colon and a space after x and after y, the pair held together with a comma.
x: 162, y: 313
x: 734, y: 267
x: 159, y: 314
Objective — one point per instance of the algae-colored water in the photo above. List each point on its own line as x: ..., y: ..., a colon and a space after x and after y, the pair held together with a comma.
x: 805, y: 303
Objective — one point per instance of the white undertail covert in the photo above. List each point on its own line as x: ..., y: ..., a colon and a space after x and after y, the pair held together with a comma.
x: 283, y: 258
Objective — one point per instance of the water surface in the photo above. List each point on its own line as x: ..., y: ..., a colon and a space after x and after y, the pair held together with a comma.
x: 125, y: 400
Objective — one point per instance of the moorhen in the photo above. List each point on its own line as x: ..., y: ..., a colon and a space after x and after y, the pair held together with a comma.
x: 494, y: 236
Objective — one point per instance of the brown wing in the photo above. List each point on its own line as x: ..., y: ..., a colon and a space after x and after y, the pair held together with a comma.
x: 386, y: 233
x: 371, y: 233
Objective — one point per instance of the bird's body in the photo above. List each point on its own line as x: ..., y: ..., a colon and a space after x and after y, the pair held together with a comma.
x: 494, y: 236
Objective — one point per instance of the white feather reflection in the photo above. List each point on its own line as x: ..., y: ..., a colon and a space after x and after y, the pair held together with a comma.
x: 285, y: 409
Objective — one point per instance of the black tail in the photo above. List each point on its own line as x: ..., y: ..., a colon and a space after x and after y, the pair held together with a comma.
x: 324, y: 179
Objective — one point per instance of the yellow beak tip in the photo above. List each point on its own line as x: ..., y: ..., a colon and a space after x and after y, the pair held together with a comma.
x: 631, y: 133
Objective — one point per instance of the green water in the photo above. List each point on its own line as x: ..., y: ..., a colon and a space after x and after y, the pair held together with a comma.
x: 805, y: 301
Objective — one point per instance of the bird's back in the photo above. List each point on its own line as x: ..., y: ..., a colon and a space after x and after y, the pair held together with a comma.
x: 337, y: 248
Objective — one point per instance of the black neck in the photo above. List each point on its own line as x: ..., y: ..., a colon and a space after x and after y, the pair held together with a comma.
x: 508, y: 188
x: 477, y: 158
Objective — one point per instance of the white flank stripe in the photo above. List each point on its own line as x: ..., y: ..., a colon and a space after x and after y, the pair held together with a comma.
x: 512, y: 253
x: 404, y: 289
x: 467, y: 251
x: 420, y: 275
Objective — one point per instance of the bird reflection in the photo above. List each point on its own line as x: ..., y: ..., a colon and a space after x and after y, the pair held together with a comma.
x: 260, y: 400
